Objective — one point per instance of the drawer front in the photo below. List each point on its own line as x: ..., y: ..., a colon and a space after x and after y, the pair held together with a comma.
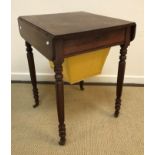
x: 93, y: 41
x: 39, y: 39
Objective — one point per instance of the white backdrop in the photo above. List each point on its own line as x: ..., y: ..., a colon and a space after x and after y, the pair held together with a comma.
x: 126, y: 9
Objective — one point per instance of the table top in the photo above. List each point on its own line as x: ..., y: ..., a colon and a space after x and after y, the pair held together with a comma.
x: 73, y: 33
x: 74, y: 22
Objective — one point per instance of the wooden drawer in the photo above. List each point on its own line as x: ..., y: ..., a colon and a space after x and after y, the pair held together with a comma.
x: 74, y: 45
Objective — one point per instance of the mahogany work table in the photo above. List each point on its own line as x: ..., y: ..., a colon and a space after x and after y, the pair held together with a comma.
x: 57, y: 36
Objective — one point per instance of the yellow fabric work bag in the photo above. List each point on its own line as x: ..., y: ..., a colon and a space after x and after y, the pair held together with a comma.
x: 80, y: 67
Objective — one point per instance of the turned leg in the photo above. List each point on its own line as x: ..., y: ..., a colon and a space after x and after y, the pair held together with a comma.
x: 60, y: 101
x: 81, y: 85
x: 120, y: 79
x: 32, y: 73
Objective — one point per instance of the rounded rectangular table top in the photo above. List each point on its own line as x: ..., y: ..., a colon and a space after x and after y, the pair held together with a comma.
x: 74, y: 22
x: 74, y: 32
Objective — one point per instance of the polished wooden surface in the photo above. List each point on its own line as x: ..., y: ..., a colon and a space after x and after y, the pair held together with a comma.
x: 57, y: 36
x: 62, y: 24
x: 80, y: 32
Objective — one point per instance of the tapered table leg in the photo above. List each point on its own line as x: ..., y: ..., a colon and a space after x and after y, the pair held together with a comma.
x: 32, y: 73
x: 81, y: 85
x: 60, y: 101
x: 120, y: 79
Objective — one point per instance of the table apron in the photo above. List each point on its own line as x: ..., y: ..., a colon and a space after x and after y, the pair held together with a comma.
x: 78, y: 45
